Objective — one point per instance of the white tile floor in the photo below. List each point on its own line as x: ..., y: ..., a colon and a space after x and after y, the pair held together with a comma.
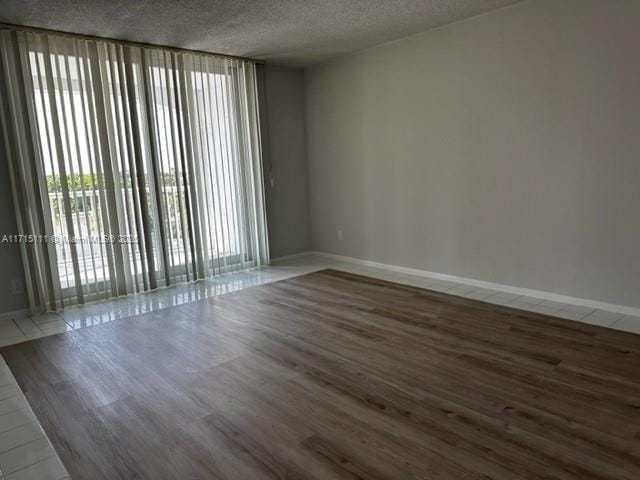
x: 25, y: 452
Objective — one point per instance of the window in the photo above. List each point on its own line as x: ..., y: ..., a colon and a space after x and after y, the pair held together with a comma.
x: 148, y: 164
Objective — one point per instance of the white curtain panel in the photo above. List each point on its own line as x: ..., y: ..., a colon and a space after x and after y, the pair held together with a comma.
x: 132, y: 168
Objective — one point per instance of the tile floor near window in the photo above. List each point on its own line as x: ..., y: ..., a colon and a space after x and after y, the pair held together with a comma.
x: 16, y: 330
x: 25, y: 451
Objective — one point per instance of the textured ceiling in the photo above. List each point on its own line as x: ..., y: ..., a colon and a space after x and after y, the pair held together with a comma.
x: 293, y: 32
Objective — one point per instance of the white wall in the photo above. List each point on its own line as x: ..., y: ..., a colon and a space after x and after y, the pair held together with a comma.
x: 504, y: 148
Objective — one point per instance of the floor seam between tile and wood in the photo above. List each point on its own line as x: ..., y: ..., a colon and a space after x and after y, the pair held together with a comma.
x: 99, y: 313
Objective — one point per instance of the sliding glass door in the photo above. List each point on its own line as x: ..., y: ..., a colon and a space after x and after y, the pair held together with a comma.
x: 138, y: 167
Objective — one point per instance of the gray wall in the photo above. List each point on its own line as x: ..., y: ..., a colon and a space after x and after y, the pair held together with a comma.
x: 286, y: 162
x: 504, y: 148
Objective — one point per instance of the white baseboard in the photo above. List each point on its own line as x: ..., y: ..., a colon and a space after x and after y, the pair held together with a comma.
x: 15, y: 314
x: 555, y: 297
x: 290, y: 257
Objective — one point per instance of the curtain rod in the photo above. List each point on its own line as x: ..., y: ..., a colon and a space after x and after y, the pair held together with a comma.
x: 26, y: 28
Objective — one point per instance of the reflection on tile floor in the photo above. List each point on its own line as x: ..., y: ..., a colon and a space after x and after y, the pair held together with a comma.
x: 22, y: 329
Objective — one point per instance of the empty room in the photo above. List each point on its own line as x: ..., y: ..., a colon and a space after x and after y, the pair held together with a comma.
x: 320, y: 239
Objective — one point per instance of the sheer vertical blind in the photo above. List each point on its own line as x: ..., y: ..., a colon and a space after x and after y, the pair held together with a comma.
x: 132, y: 168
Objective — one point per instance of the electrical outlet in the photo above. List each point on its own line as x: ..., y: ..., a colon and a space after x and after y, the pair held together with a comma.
x: 340, y: 235
x: 273, y: 182
x: 16, y: 287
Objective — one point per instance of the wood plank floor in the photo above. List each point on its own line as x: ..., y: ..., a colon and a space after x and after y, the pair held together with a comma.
x: 334, y: 375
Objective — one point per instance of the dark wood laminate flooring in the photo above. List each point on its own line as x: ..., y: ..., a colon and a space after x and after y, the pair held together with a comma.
x: 334, y: 375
